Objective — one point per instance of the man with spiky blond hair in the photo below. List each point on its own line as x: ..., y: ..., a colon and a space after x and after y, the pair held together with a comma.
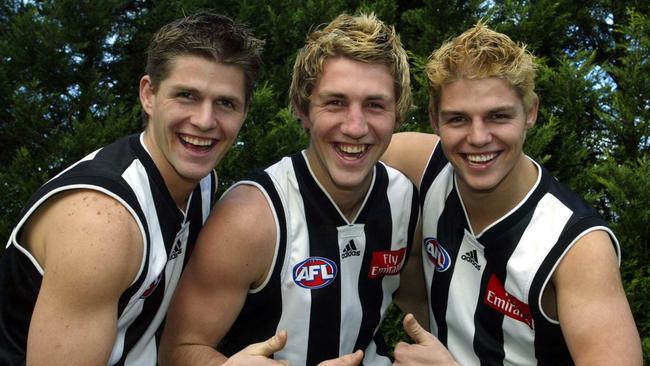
x: 312, y: 247
x: 519, y: 269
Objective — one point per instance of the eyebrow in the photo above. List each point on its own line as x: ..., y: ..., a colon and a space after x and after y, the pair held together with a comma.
x: 326, y: 94
x: 505, y: 108
x: 185, y: 88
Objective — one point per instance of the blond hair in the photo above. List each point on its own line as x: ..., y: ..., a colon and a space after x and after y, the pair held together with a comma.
x: 361, y: 38
x: 481, y: 53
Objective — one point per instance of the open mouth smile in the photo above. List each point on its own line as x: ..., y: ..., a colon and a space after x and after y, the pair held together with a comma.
x: 351, y: 151
x: 196, y: 143
x: 480, y: 158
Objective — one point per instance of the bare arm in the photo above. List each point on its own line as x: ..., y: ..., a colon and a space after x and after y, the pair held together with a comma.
x: 409, y: 153
x: 591, y: 305
x: 90, y: 249
x: 233, y: 254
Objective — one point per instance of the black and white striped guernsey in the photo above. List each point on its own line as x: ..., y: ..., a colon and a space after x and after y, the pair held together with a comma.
x: 332, y: 280
x: 125, y: 171
x: 485, y: 289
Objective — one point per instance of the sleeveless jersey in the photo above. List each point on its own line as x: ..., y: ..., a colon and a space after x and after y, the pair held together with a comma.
x: 125, y: 171
x: 332, y: 280
x: 485, y: 289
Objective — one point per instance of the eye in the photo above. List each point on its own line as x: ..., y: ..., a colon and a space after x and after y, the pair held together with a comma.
x: 186, y: 95
x: 226, y: 103
x: 376, y: 105
x: 500, y: 117
x: 456, y: 120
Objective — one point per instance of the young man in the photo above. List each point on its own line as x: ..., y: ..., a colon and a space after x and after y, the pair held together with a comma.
x: 315, y: 243
x: 90, y: 268
x: 519, y: 270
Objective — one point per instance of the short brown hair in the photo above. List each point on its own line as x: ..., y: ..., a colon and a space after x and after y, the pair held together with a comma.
x: 481, y: 53
x: 209, y: 35
x: 361, y: 38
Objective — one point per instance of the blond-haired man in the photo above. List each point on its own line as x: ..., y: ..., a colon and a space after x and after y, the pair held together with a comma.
x: 519, y: 269
x: 314, y: 244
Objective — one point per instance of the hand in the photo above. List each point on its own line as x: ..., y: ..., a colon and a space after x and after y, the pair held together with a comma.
x: 259, y: 353
x: 352, y: 359
x: 427, y: 349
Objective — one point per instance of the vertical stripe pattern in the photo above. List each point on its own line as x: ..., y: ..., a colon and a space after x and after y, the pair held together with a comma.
x: 125, y: 171
x: 335, y: 279
x: 485, y: 288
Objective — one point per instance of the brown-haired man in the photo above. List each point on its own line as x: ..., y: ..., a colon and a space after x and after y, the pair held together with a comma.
x: 97, y: 253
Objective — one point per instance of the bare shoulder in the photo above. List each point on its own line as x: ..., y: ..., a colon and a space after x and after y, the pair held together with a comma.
x: 592, y: 307
x: 242, y: 225
x: 85, y: 235
x: 409, y: 153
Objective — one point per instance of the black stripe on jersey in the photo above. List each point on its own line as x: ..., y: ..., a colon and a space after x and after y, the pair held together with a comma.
x: 195, y: 219
x: 19, y: 278
x: 262, y: 310
x: 413, y: 221
x: 500, y: 242
x: 436, y: 163
x: 375, y: 214
x: 322, y: 219
x: 170, y: 219
x: 550, y: 346
x: 450, y: 237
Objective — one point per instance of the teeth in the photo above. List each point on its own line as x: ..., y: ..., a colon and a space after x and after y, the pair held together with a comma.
x: 480, y: 158
x: 197, y: 141
x: 352, y: 149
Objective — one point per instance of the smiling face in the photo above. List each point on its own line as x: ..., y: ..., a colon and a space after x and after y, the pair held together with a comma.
x: 194, y: 117
x: 351, y: 118
x: 482, y: 127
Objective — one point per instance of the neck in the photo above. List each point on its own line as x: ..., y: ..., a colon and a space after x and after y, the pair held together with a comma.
x: 485, y: 207
x: 349, y: 201
x: 179, y: 188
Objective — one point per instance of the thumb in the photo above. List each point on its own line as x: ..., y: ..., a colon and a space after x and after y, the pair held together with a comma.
x: 352, y: 359
x: 269, y: 346
x: 416, y: 332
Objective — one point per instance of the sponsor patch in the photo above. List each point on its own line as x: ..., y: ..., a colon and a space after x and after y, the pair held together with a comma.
x: 498, y: 299
x: 152, y: 287
x: 437, y: 254
x: 314, y: 273
x: 386, y: 263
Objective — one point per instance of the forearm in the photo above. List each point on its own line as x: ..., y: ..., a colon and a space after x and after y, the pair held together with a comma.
x: 193, y: 354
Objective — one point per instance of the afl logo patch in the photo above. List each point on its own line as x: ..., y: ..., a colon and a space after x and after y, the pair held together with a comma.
x: 314, y: 273
x: 437, y: 254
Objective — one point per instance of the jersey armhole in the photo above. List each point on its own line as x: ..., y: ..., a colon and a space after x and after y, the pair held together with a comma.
x: 13, y: 238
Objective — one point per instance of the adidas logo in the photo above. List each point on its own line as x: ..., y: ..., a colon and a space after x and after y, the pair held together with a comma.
x: 350, y: 250
x: 176, y: 250
x: 472, y: 258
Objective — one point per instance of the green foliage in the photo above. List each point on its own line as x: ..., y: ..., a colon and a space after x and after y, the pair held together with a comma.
x: 70, y: 71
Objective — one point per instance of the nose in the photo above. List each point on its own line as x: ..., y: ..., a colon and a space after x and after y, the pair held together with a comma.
x: 479, y: 133
x: 205, y: 117
x: 355, y: 124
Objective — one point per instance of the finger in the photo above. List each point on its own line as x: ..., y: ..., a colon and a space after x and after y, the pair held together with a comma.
x: 352, y: 359
x: 416, y: 332
x: 269, y: 346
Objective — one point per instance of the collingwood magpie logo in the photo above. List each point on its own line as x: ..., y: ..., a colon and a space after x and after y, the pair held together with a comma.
x: 176, y: 250
x: 472, y: 258
x: 350, y: 250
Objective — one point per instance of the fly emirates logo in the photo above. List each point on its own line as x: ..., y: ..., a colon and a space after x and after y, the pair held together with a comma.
x: 386, y: 263
x: 498, y: 299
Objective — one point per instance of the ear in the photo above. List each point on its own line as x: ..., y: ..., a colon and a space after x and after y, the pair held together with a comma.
x: 304, y: 118
x: 531, y: 116
x: 147, y: 95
